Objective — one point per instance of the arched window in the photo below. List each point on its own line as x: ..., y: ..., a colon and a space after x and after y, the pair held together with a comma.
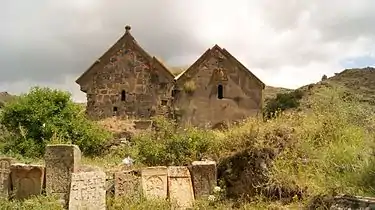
x: 123, y: 95
x: 220, y: 92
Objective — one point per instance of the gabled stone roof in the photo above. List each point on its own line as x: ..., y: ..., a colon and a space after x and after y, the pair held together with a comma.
x: 105, y: 58
x: 183, y: 76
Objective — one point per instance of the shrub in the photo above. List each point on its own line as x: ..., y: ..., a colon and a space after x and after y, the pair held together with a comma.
x: 282, y: 102
x: 169, y: 145
x: 43, y: 115
x: 327, y: 149
x: 190, y: 87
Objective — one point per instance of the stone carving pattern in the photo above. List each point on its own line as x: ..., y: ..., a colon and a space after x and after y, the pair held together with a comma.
x: 88, y: 191
x: 204, y: 178
x: 27, y: 180
x: 126, y: 184
x: 61, y: 161
x: 180, y: 186
x: 154, y: 185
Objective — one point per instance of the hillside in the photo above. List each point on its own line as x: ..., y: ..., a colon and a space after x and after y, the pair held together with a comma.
x: 357, y: 85
x: 5, y: 97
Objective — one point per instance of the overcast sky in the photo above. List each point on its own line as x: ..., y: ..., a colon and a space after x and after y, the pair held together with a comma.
x: 286, y: 43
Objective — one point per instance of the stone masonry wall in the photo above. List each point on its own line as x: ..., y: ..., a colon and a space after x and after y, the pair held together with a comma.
x: 242, y: 95
x: 130, y: 84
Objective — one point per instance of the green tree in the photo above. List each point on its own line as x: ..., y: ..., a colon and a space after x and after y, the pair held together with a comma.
x: 44, y: 115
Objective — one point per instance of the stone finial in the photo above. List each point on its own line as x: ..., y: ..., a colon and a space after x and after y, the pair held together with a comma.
x: 127, y: 28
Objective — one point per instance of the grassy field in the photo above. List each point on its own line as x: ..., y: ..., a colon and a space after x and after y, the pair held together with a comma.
x: 321, y: 147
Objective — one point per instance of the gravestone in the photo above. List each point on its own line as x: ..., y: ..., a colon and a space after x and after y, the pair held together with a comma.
x: 154, y: 182
x: 5, y: 176
x: 87, y: 191
x: 204, y: 176
x: 27, y: 180
x: 180, y: 187
x: 127, y: 183
x: 61, y: 161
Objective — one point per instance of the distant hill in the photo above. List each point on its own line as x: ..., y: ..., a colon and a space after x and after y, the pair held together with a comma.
x: 357, y: 84
x: 5, y: 97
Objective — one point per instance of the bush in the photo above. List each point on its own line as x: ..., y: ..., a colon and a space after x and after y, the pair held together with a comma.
x: 45, y: 116
x: 189, y: 87
x: 169, y: 145
x: 327, y: 149
x: 282, y: 102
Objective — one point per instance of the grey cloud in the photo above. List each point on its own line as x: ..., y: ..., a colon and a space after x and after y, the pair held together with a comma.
x: 336, y: 20
x: 47, y: 41
x: 44, y: 41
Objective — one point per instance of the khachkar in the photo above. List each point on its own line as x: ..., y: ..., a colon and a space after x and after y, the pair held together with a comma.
x: 127, y: 183
x: 180, y: 187
x: 27, y: 180
x: 154, y: 182
x: 87, y: 191
x: 204, y: 177
x: 61, y: 161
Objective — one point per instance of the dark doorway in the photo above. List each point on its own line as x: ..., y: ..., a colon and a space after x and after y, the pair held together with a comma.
x: 220, y: 92
x: 123, y: 95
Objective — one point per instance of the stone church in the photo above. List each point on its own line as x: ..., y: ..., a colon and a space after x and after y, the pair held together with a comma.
x: 128, y: 82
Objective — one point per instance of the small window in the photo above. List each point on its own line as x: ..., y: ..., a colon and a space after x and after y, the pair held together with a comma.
x: 164, y: 102
x: 114, y: 111
x: 123, y: 95
x: 220, y: 92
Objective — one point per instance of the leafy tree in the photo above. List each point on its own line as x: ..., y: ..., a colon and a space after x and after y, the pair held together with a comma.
x: 46, y: 115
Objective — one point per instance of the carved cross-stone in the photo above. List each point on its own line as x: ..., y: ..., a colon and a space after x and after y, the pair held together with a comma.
x: 154, y: 182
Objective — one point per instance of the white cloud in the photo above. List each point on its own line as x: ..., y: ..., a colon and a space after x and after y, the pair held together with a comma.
x: 286, y: 43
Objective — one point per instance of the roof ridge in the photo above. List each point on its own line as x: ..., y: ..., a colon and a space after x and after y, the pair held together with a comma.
x: 127, y: 35
x: 192, y: 66
x: 231, y: 57
x: 163, y: 67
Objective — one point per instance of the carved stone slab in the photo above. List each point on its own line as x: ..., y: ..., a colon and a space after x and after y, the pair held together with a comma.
x: 87, y: 191
x: 27, y: 180
x: 5, y: 176
x: 204, y: 176
x: 61, y: 161
x: 127, y: 183
x: 180, y: 187
x: 154, y: 182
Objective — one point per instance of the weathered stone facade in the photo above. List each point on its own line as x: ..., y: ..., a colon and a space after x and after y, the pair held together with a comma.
x: 128, y: 82
x: 217, y: 89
